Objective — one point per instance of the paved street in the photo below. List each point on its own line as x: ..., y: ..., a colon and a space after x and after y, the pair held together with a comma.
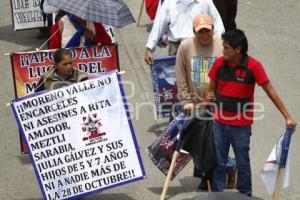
x: 273, y: 31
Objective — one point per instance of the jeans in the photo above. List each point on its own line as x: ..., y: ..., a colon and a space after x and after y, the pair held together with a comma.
x: 239, y: 138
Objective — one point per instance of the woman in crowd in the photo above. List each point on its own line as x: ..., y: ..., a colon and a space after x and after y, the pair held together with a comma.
x: 72, y: 31
x: 62, y: 73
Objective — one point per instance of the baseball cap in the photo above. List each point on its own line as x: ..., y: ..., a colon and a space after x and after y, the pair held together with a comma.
x: 202, y: 21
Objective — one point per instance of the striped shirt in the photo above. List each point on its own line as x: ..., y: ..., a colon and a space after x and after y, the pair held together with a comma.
x: 235, y: 90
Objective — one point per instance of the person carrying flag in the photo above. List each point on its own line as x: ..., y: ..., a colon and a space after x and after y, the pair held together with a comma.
x: 232, y: 82
x: 72, y: 31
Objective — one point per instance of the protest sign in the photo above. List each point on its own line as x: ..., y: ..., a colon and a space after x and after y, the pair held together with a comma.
x: 162, y: 149
x: 164, y: 80
x: 110, y: 30
x: 80, y: 138
x: 164, y: 87
x: 26, y: 14
x: 28, y: 67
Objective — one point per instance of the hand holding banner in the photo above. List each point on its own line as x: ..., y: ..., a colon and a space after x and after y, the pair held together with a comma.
x: 275, y: 173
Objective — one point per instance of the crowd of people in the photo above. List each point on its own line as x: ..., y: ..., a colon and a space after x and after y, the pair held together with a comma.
x: 194, y: 28
x: 206, y: 28
x: 64, y: 31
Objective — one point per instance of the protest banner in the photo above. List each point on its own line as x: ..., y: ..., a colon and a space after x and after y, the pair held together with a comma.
x: 162, y: 149
x: 164, y: 80
x: 164, y: 87
x: 80, y: 138
x: 28, y: 67
x: 26, y: 14
x: 110, y: 30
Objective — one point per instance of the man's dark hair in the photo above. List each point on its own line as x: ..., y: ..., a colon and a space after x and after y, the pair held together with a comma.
x: 236, y: 38
x: 60, y: 53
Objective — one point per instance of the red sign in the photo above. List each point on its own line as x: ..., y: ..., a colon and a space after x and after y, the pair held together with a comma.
x: 28, y: 67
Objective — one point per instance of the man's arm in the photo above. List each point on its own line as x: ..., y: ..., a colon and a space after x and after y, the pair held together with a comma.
x: 160, y: 26
x: 148, y: 56
x: 213, y: 82
x: 182, y: 81
x: 211, y: 92
x: 268, y: 88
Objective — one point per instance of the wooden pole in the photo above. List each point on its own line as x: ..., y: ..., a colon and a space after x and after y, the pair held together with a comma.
x: 141, y: 11
x: 169, y: 176
x: 208, y: 186
x: 278, y: 184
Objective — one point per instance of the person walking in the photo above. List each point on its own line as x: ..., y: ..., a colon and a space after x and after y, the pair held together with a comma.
x: 72, y: 31
x: 232, y: 82
x: 175, y: 17
x: 191, y: 52
x: 195, y: 56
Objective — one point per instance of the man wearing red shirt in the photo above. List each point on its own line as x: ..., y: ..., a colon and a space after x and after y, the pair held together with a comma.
x: 233, y: 77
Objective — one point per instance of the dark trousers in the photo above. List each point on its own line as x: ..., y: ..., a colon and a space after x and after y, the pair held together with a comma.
x: 227, y: 10
x: 239, y: 138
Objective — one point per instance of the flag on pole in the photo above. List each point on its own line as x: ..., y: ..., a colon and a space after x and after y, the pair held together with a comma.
x: 279, y: 158
x: 161, y: 151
